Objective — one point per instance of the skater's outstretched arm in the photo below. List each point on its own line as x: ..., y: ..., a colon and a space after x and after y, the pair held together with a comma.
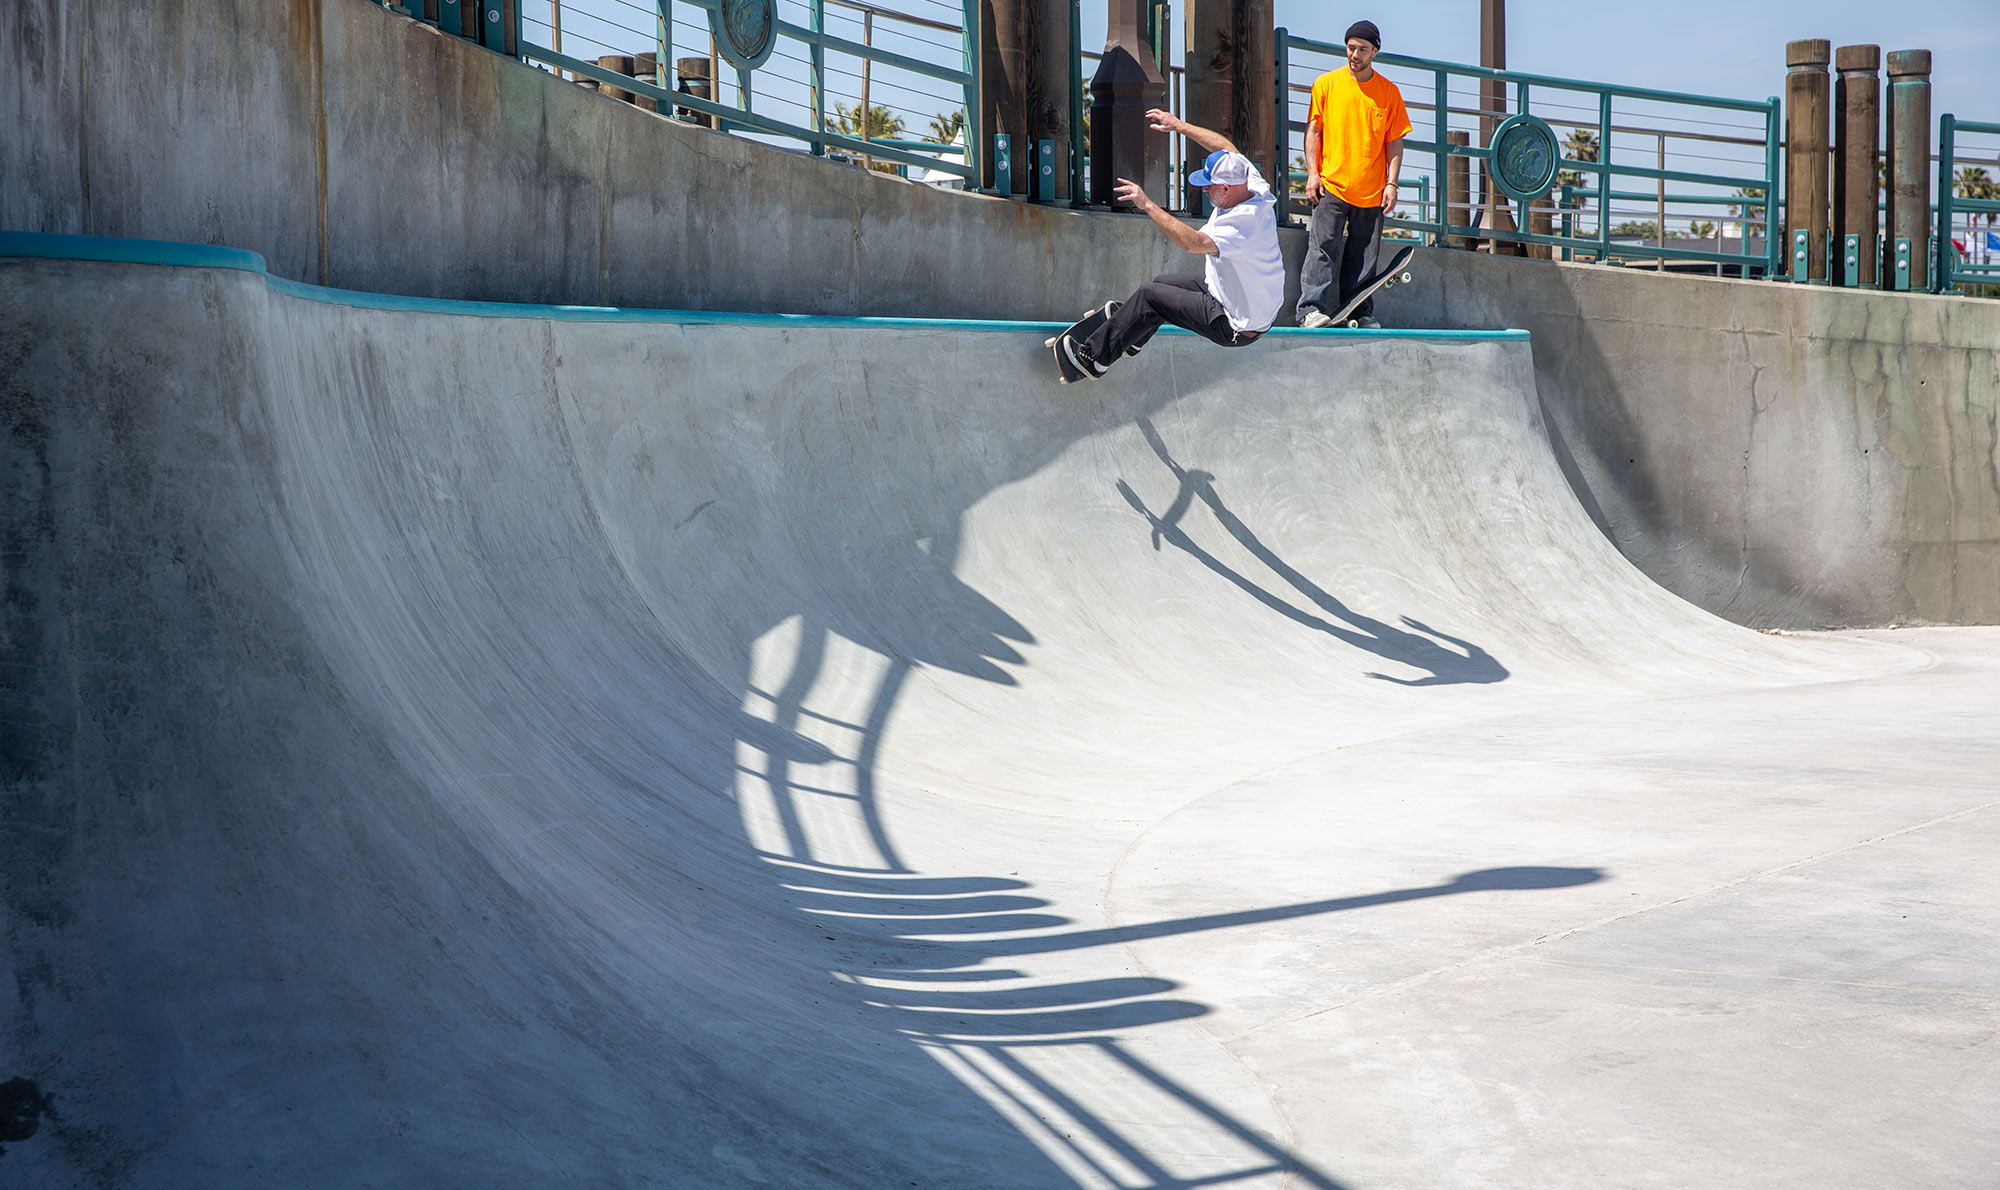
x: 1209, y: 139
x: 1186, y: 238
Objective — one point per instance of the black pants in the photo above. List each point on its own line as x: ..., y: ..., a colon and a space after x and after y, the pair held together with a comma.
x: 1342, y: 248
x: 1180, y: 298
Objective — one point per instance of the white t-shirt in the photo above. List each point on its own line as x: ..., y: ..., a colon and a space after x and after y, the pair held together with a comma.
x: 1247, y: 273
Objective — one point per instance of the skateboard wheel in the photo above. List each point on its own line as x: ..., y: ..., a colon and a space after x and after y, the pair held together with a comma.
x: 1405, y: 278
x: 1353, y: 323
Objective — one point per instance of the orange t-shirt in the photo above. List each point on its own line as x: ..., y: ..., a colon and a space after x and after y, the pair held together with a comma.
x: 1356, y: 123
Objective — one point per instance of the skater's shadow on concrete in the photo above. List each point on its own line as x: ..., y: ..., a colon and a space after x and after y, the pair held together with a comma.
x: 1423, y: 649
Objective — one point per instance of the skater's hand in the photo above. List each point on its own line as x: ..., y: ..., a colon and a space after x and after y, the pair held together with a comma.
x: 1389, y: 200
x: 1130, y: 191
x: 1162, y: 120
x: 1314, y: 187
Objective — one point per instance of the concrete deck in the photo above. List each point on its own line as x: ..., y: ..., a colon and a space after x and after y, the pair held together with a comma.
x: 467, y: 747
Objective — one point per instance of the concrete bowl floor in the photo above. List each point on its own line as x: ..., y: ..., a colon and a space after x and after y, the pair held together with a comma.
x: 462, y: 748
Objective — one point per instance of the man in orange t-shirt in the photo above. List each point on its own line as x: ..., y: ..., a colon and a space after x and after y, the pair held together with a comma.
x: 1354, y: 149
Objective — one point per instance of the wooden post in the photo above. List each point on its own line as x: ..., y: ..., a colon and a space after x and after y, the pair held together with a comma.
x: 1541, y: 221
x: 695, y: 80
x: 1046, y: 65
x: 1458, y: 189
x: 1909, y: 164
x: 1232, y: 79
x: 618, y: 64
x: 1660, y: 211
x: 867, y: 71
x: 1806, y: 144
x: 1492, y: 109
x: 1857, y: 95
x: 1003, y: 91
x: 645, y: 68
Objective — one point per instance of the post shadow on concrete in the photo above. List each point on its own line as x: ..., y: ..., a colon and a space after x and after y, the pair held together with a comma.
x: 1423, y: 649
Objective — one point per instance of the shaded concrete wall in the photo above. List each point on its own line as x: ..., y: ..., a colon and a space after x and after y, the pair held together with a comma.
x: 1785, y: 456
x: 357, y: 148
x: 1782, y: 456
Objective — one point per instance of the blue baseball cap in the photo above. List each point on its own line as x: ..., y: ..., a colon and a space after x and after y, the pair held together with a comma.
x: 1230, y: 169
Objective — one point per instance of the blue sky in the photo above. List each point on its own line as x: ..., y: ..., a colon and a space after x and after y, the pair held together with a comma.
x: 1725, y: 48
x: 1713, y: 47
x: 1728, y: 48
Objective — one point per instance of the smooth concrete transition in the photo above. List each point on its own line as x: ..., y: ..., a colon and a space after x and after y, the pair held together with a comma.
x: 451, y: 746
x: 1784, y: 456
x: 1787, y: 456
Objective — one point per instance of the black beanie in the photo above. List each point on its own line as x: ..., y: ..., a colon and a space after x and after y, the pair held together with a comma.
x: 1366, y: 31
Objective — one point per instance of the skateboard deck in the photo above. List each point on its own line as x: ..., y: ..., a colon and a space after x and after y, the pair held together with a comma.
x: 1082, y: 328
x: 1398, y: 271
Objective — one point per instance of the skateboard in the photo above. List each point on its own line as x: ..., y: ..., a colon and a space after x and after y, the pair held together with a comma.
x: 1398, y: 271
x: 1082, y: 328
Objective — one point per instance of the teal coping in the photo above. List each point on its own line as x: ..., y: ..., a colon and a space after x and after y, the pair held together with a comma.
x: 113, y: 249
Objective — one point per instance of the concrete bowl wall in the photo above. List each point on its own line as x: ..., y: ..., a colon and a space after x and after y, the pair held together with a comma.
x: 1784, y: 456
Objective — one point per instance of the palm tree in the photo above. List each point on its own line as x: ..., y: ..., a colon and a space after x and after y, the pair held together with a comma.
x: 1742, y: 211
x: 1581, y: 146
x: 1973, y: 182
x: 880, y: 123
x: 877, y: 122
x: 946, y: 126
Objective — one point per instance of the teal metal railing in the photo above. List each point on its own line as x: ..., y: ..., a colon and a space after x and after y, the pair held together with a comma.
x: 1951, y: 270
x: 810, y: 44
x: 1724, y: 156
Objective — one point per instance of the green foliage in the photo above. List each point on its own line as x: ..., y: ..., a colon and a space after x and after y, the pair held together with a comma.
x: 1701, y: 229
x: 1973, y: 182
x: 945, y: 127
x: 881, y: 124
x: 1580, y: 146
x: 1745, y: 210
x: 1648, y: 230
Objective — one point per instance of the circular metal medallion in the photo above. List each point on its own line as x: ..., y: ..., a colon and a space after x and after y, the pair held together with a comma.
x: 1524, y: 156
x: 745, y: 31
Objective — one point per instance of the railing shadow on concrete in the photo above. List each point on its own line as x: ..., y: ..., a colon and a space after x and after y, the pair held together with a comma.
x: 944, y: 957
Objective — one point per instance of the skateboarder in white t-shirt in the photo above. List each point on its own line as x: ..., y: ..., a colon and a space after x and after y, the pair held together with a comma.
x: 1241, y: 288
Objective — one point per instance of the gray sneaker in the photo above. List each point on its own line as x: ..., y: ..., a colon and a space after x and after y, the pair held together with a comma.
x: 1367, y: 323
x: 1315, y: 319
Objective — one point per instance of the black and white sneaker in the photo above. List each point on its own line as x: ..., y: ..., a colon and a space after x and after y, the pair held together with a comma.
x: 1080, y: 358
